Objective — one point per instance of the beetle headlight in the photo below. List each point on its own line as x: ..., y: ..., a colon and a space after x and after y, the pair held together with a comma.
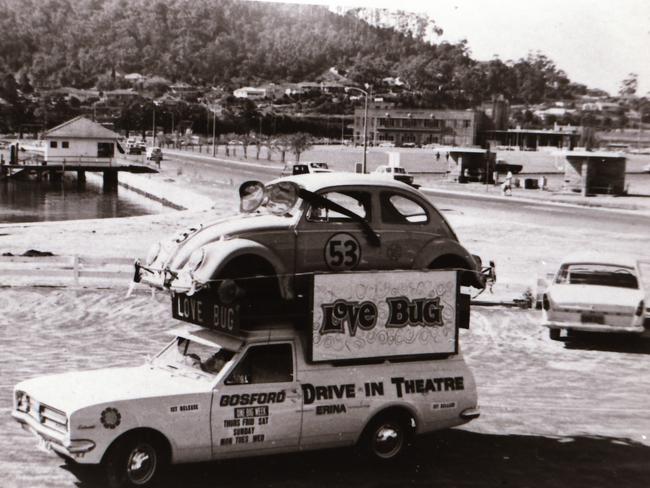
x: 196, y: 259
x: 153, y: 253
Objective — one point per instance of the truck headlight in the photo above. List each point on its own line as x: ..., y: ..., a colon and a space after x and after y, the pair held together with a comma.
x: 22, y: 401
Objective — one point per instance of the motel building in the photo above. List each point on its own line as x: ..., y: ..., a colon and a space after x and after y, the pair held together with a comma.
x: 408, y: 127
x: 81, y: 141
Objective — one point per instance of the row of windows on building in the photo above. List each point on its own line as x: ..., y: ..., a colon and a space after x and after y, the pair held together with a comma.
x: 64, y: 144
x: 422, y: 123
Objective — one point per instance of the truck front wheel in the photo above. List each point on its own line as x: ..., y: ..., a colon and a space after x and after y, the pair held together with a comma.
x: 387, y: 437
x: 135, y: 461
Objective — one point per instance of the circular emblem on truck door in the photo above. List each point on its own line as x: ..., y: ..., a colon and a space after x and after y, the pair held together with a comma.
x: 110, y: 418
x: 342, y: 252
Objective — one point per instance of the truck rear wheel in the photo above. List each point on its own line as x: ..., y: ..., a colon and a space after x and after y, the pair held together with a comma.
x: 135, y: 461
x: 387, y: 437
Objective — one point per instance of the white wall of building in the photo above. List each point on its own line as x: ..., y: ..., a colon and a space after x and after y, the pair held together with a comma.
x: 78, y: 150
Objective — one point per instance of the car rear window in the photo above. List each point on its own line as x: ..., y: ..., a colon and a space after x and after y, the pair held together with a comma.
x: 597, y: 275
x: 398, y: 209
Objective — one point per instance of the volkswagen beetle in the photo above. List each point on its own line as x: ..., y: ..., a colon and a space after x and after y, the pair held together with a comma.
x: 309, y: 223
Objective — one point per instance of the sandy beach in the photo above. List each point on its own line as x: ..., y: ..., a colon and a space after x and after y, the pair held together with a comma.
x: 549, y: 412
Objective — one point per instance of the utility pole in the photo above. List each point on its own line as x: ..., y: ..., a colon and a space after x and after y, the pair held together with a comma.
x: 214, y: 134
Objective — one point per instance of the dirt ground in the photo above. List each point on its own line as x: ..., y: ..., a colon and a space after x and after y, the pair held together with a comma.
x: 553, y: 413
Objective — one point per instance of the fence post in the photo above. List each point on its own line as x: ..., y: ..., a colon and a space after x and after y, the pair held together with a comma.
x: 75, y: 269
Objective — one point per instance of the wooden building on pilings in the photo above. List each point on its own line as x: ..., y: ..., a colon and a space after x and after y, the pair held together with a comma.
x: 80, y: 145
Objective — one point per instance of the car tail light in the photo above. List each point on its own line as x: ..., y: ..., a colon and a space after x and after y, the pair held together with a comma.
x: 546, y: 304
x: 639, y: 309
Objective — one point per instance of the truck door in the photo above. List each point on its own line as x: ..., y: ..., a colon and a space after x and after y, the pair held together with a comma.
x: 258, y: 405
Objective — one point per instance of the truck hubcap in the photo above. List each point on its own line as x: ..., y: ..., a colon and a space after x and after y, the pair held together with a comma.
x: 388, y: 441
x: 141, y: 464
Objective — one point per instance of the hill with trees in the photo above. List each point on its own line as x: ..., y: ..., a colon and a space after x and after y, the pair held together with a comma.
x: 229, y: 43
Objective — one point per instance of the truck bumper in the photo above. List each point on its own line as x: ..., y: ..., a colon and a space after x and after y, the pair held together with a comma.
x: 80, y: 450
x: 591, y: 327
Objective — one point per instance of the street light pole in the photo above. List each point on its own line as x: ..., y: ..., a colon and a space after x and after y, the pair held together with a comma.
x: 365, y: 133
x: 153, y: 142
x: 366, y: 95
x: 214, y: 135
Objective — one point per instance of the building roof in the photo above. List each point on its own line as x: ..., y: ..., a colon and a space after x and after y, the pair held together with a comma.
x: 80, y: 128
x: 592, y: 154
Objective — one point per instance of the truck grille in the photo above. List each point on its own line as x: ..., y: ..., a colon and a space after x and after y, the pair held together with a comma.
x: 47, y: 416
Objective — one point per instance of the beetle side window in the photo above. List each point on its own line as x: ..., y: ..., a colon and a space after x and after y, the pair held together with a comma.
x: 264, y: 364
x: 398, y: 209
x: 355, y: 201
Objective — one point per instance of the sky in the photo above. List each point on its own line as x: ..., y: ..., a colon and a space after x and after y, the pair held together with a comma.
x: 596, y: 42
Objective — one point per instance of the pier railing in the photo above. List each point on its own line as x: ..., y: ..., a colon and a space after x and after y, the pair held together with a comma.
x: 65, y: 271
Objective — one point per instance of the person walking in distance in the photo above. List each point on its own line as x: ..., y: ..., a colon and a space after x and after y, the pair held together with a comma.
x: 506, y: 188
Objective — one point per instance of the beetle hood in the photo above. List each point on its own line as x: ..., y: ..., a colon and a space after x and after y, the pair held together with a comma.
x: 177, y: 251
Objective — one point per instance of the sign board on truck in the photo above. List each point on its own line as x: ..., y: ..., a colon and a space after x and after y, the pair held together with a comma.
x: 385, y: 314
x: 203, y: 308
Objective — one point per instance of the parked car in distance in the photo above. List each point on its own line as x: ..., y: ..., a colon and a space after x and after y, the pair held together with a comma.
x: 154, y: 153
x: 386, y: 144
x: 133, y: 147
x: 394, y: 172
x: 304, y: 168
x: 595, y: 293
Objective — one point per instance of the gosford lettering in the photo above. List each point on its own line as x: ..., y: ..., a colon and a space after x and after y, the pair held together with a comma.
x: 420, y: 312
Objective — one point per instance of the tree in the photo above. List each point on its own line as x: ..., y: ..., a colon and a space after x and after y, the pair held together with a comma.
x: 299, y: 143
x: 629, y: 86
x: 281, y: 144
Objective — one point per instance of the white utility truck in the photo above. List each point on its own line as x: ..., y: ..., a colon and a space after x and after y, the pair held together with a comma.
x: 368, y: 359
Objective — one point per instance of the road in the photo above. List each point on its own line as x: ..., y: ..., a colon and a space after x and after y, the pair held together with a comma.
x: 553, y: 414
x: 490, y: 203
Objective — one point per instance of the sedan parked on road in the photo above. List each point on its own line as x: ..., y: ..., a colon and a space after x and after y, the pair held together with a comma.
x: 595, y: 293
x: 394, y: 172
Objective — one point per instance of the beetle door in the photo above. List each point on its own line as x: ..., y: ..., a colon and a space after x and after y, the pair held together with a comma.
x: 330, y: 241
x: 258, y: 405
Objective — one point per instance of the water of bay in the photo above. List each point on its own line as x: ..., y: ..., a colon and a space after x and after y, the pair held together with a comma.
x: 68, y: 199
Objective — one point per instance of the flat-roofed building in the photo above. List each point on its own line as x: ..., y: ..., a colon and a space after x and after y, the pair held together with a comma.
x: 410, y: 127
x: 595, y: 172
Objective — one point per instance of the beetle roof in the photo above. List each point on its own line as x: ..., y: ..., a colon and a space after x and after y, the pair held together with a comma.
x: 593, y: 257
x: 315, y: 182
